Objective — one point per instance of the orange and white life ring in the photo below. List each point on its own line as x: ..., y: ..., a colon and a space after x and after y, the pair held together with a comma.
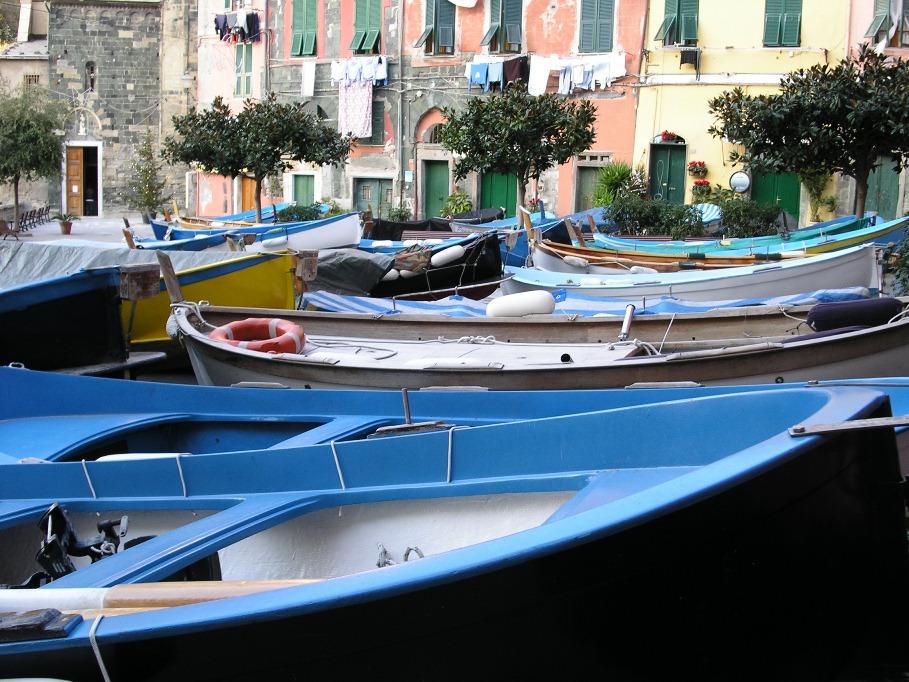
x: 262, y: 334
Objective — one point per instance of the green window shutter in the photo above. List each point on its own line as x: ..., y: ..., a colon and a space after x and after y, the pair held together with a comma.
x: 374, y: 32
x: 605, y: 25
x: 247, y: 59
x: 428, y: 23
x: 238, y: 86
x: 588, y: 35
x: 299, y: 26
x: 904, y: 30
x: 445, y: 23
x: 312, y: 24
x: 378, y: 123
x: 881, y: 21
x: 666, y: 31
x: 361, y: 23
x: 792, y: 23
x: 495, y: 21
x: 773, y: 22
x: 688, y: 20
x: 513, y: 11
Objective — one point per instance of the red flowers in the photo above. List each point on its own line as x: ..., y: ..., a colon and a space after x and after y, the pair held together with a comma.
x: 666, y: 135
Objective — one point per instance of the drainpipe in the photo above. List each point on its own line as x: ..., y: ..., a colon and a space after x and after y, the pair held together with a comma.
x: 400, y: 133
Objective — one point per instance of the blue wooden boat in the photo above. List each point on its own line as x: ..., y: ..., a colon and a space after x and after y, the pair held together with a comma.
x: 654, y: 551
x: 336, y: 232
x: 75, y: 322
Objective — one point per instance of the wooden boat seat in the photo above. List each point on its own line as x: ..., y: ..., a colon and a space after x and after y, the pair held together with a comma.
x: 41, y: 436
x: 336, y: 429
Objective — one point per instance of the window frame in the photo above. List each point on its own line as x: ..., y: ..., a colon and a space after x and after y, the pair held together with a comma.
x: 680, y: 23
x: 304, y: 25
x: 243, y: 70
x: 505, y: 21
x: 367, y: 37
x: 596, y: 33
x: 782, y: 23
x: 440, y: 20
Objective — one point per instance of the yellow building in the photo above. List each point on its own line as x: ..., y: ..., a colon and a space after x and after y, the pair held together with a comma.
x: 696, y: 50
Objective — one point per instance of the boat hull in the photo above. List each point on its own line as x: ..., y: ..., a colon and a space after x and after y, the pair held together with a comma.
x: 775, y: 575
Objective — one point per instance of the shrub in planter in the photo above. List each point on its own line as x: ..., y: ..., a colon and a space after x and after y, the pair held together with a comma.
x: 292, y: 214
x: 399, y: 214
x: 745, y: 218
x: 637, y: 215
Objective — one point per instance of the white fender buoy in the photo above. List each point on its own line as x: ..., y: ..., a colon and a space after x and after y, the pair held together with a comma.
x: 524, y: 303
x: 391, y: 275
x: 576, y: 262
x: 445, y: 256
x: 641, y: 270
x: 274, y: 243
x: 407, y: 274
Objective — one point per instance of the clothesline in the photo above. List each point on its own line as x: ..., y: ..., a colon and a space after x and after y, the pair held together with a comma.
x: 574, y: 72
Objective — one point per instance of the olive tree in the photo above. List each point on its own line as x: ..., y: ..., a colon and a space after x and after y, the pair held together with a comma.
x: 517, y: 133
x: 838, y: 118
x: 265, y: 138
x: 31, y: 146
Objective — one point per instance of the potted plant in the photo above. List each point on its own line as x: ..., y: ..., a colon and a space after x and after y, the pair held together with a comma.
x: 815, y: 184
x: 697, y: 168
x: 65, y: 220
x: 700, y: 191
x: 668, y: 136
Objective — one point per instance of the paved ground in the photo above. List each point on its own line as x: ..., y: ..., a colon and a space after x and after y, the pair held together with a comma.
x: 90, y: 229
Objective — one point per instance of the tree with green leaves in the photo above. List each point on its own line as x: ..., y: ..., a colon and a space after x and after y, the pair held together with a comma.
x: 825, y: 119
x: 517, y: 133
x: 145, y: 188
x: 30, y: 143
x: 266, y: 137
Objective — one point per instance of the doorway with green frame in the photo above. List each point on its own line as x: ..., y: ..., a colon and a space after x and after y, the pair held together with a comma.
x: 437, y: 180
x: 499, y: 190
x: 667, y: 171
x: 778, y: 189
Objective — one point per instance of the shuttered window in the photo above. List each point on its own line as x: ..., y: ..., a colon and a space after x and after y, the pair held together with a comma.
x: 367, y: 26
x: 680, y: 23
x: 305, y: 18
x: 504, y: 33
x: 597, y: 22
x: 438, y: 29
x: 782, y: 23
x: 378, y: 124
x: 243, y: 86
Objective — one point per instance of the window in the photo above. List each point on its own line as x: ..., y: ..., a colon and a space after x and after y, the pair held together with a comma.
x: 367, y: 27
x: 504, y: 33
x: 31, y: 79
x: 90, y: 77
x: 882, y: 24
x: 782, y: 23
x: 438, y: 31
x: 305, y: 20
x: 243, y: 87
x: 680, y: 23
x: 378, y: 124
x: 597, y: 20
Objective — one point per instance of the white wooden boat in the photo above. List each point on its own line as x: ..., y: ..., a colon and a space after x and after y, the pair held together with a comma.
x: 346, y: 362
x: 856, y: 266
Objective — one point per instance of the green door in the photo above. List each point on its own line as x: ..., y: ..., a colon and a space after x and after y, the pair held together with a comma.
x: 436, y: 189
x: 667, y: 172
x: 498, y: 190
x: 304, y: 192
x: 373, y: 193
x: 586, y: 184
x: 778, y: 189
x: 883, y: 188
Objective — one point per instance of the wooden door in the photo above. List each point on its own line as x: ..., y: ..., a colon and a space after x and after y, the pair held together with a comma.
x: 247, y: 194
x: 778, y: 189
x: 436, y: 189
x: 667, y: 172
x: 498, y: 190
x: 74, y: 180
x: 304, y: 190
x: 373, y: 193
x: 883, y: 189
x: 585, y: 186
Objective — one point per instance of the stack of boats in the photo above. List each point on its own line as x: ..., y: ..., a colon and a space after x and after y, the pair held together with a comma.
x: 680, y: 472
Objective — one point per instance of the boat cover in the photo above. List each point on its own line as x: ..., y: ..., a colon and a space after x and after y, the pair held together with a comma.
x: 22, y: 262
x: 567, y: 303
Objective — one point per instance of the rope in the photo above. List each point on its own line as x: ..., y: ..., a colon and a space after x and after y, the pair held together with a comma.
x: 94, y: 642
x: 663, y: 340
x: 182, y: 479
x: 337, y: 465
x: 451, y: 450
x: 89, y: 479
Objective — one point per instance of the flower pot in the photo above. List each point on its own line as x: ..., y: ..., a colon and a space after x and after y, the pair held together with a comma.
x: 66, y: 226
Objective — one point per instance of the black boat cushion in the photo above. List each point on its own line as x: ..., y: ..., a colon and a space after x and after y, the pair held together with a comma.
x: 869, y: 312
x: 825, y: 333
